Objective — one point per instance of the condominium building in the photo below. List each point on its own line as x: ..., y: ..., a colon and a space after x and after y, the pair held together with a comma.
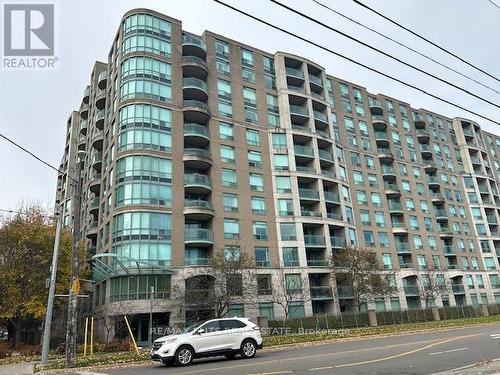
x: 193, y: 145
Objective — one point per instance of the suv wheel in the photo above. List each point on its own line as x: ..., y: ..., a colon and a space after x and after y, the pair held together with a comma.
x: 248, y: 349
x: 184, y: 356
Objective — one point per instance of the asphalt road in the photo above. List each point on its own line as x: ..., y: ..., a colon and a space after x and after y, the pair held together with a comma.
x: 422, y: 353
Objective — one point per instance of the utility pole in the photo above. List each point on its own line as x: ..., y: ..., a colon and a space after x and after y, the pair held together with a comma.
x: 52, y: 289
x: 74, y: 284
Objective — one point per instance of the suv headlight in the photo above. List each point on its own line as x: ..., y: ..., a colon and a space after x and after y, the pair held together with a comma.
x: 169, y: 341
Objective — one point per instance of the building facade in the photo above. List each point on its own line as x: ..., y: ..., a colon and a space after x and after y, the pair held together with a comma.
x: 193, y: 145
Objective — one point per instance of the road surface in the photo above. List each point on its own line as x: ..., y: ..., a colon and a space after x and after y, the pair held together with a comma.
x: 422, y: 353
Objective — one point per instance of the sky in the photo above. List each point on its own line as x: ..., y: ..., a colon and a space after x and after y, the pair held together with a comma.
x: 34, y: 105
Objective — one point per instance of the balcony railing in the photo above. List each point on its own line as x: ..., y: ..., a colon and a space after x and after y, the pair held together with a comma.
x: 198, y: 234
x: 197, y: 203
x: 191, y: 39
x: 411, y: 290
x: 331, y: 197
x: 194, y: 82
x: 325, y: 155
x: 314, y: 240
x: 308, y: 193
x: 321, y: 292
x: 293, y: 72
x: 298, y: 110
x: 303, y: 150
x: 316, y: 80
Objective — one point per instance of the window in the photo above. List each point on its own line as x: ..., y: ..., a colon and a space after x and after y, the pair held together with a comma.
x: 376, y: 201
x: 258, y: 205
x: 266, y: 310
x: 254, y: 159
x: 422, y: 264
x: 290, y: 257
x: 383, y: 239
x: 253, y: 137
x: 230, y: 202
x: 368, y: 237
x: 372, y: 180
x: 256, y: 182
x: 231, y: 228
x: 365, y: 217
x: 138, y: 287
x: 250, y: 104
x: 285, y: 207
x: 227, y: 154
x: 262, y: 257
x: 293, y: 283
x: 369, y: 162
x: 260, y: 230
x: 232, y: 253
x: 287, y: 232
x: 226, y: 131
x: 417, y: 241
x: 283, y: 184
x: 358, y: 178
x: 280, y: 162
x: 279, y: 140
x: 229, y: 178
x: 406, y: 186
x: 264, y: 285
x: 387, y: 261
x: 379, y: 219
x: 410, y: 205
x: 222, y: 48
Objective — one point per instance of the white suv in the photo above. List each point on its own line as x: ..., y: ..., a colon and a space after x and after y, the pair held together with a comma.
x: 228, y: 337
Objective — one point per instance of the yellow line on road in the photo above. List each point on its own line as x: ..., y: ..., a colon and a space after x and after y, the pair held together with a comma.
x: 258, y: 363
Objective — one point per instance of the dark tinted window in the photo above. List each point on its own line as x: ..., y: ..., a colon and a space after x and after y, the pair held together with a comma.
x: 211, y: 327
x: 231, y: 324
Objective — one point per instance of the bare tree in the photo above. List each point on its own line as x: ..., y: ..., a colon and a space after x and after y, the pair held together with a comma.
x: 285, y: 290
x: 432, y: 284
x: 113, y: 321
x: 360, y: 272
x: 229, y: 279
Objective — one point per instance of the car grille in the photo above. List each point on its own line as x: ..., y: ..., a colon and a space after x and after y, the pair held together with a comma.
x: 157, y: 345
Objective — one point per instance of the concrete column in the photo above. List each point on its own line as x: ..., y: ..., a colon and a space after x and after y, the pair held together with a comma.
x: 484, y: 310
x: 372, y: 318
x: 435, y: 313
x: 263, y: 323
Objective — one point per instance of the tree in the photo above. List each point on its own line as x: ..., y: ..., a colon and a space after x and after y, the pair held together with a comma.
x: 361, y: 273
x: 288, y: 288
x: 26, y: 244
x: 229, y: 279
x: 432, y: 284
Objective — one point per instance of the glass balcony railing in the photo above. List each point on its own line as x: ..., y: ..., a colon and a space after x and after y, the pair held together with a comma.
x: 314, y: 239
x: 197, y: 203
x: 308, y: 193
x: 303, y: 150
x: 316, y: 80
x: 195, y: 129
x: 194, y: 82
x: 325, y: 155
x: 298, y: 110
x: 194, y: 40
x: 293, y: 72
x: 197, y: 179
x: 337, y: 242
x: 198, y: 234
x: 331, y: 197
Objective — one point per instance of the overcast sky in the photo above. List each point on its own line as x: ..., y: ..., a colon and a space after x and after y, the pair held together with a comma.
x: 34, y: 106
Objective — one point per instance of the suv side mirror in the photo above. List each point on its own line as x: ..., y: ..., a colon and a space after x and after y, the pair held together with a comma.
x: 200, y: 331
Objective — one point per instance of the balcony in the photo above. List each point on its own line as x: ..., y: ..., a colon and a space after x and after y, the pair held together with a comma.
x: 198, y: 209
x: 403, y: 248
x: 95, y: 183
x: 331, y: 197
x: 411, y: 290
x: 385, y: 155
x: 468, y: 133
x: 376, y: 108
x: 399, y: 229
x: 97, y: 161
x: 310, y: 213
x: 449, y: 251
x: 379, y: 122
x: 197, y: 183
x: 308, y: 194
x: 84, y: 111
x: 403, y: 265
x: 395, y: 208
x: 320, y: 117
x: 83, y: 127
x: 92, y: 230
x: 445, y: 233
x: 82, y: 143
x: 99, y: 119
x: 86, y: 95
x: 333, y: 216
x: 441, y: 215
x: 419, y: 121
x: 196, y: 134
x: 430, y: 167
x: 298, y: 114
x: 321, y: 293
x: 317, y: 81
x: 314, y: 240
x: 337, y: 242
x: 100, y: 99
x: 392, y: 189
x: 381, y: 139
x: 192, y: 45
x: 325, y: 155
x: 195, y: 111
x: 304, y: 151
x: 423, y: 135
x: 305, y: 169
x: 458, y: 289
x: 94, y: 206
x: 196, y: 262
x: 197, y: 158
x: 194, y: 89
x: 97, y: 140
x: 198, y: 236
x: 102, y: 80
x: 426, y: 151
x: 475, y: 160
x: 345, y: 292
x: 433, y: 181
x: 388, y: 172
x: 194, y: 66
x: 437, y: 198
x: 294, y: 76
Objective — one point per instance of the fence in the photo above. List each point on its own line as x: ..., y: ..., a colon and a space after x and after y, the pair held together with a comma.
x: 358, y: 320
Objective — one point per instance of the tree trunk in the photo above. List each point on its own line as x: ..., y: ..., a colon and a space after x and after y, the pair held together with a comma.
x: 17, y: 333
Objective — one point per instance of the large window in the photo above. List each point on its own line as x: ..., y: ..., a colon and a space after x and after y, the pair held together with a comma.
x: 146, y: 67
x: 142, y: 226
x: 138, y: 287
x: 145, y: 116
x: 148, y: 168
x: 145, y: 139
x: 144, y: 192
x: 147, y: 89
x: 146, y: 33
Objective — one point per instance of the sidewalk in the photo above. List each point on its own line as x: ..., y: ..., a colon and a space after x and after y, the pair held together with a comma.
x: 488, y: 368
x: 17, y: 369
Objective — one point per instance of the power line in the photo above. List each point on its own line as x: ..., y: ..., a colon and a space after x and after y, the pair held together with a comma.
x: 405, y: 46
x: 426, y: 39
x: 22, y: 213
x: 385, y: 53
x: 495, y: 4
x: 356, y: 62
x: 36, y: 157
